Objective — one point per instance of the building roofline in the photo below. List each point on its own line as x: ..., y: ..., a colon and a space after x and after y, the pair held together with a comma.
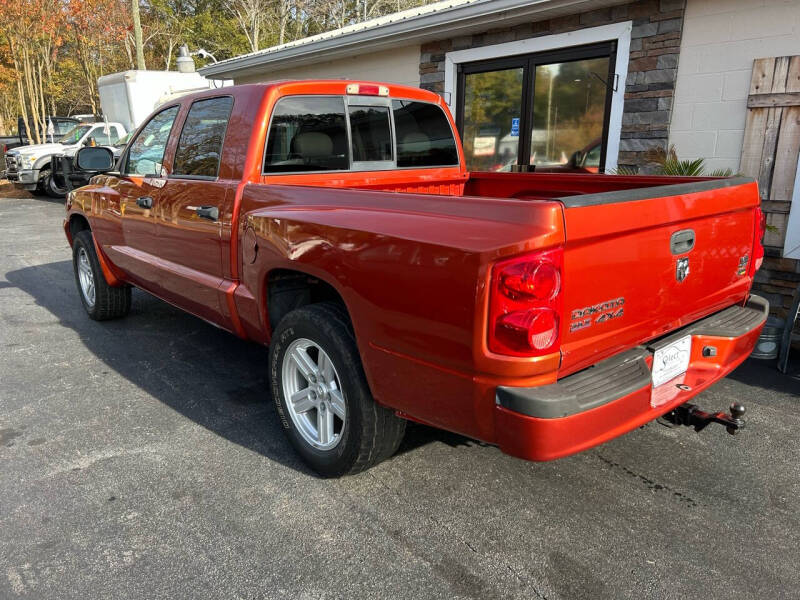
x: 449, y: 18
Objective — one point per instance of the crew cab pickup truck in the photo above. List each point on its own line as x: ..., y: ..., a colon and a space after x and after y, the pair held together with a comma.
x: 335, y: 221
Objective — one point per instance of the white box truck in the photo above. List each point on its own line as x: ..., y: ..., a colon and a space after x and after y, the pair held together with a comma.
x: 128, y: 97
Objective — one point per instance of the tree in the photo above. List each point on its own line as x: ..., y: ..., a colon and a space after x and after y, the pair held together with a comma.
x: 32, y: 32
x: 251, y: 16
x: 137, y: 34
x: 93, y: 26
x: 53, y: 51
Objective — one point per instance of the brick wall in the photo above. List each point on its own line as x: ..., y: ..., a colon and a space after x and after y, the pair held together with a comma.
x: 652, y: 70
x: 777, y: 280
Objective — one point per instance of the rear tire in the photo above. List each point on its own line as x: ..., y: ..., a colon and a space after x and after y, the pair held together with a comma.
x: 101, y: 301
x: 324, y: 404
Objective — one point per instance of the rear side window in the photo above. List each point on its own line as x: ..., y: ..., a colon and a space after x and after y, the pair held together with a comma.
x: 307, y: 134
x: 424, y: 136
x: 200, y: 144
x: 371, y: 133
x: 104, y: 136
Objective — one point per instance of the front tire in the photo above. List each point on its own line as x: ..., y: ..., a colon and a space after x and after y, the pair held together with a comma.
x: 42, y: 182
x: 54, y: 190
x: 322, y: 397
x: 101, y: 301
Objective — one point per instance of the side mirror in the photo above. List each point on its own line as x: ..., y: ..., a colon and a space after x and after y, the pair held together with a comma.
x: 576, y: 159
x: 95, y: 158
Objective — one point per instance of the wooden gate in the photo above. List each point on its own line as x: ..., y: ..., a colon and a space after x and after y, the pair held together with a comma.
x: 770, y: 154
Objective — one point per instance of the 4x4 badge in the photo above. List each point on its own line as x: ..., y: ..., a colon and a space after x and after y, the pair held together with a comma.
x: 682, y: 269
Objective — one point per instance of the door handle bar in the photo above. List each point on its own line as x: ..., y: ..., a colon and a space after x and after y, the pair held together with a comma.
x: 144, y: 202
x: 207, y: 212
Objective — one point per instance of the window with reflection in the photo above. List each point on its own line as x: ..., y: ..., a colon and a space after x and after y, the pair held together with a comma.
x: 548, y: 111
x: 424, y: 136
x: 493, y: 101
x: 200, y: 144
x: 307, y: 134
x: 371, y: 133
x: 146, y: 152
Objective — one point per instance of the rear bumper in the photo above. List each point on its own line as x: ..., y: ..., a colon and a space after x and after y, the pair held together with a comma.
x: 615, y: 395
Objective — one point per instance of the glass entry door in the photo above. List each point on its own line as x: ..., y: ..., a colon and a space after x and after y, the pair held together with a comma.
x: 549, y: 110
x: 492, y: 100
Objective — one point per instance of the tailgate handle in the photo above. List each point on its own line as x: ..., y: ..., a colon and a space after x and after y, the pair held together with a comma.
x: 681, y: 241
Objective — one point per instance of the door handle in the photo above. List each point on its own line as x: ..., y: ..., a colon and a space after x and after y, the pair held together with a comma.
x: 144, y: 202
x: 207, y: 212
x: 682, y: 241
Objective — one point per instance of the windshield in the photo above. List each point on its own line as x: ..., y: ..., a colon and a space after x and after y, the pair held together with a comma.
x: 74, y: 134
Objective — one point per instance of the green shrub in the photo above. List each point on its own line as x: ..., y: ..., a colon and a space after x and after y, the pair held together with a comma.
x: 669, y: 164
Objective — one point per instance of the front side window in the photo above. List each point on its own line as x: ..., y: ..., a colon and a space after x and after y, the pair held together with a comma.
x: 146, y: 153
x: 424, y: 136
x: 371, y: 133
x: 307, y: 134
x: 200, y: 144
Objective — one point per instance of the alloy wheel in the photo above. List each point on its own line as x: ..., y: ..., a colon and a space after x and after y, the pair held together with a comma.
x: 86, y: 277
x: 313, y: 393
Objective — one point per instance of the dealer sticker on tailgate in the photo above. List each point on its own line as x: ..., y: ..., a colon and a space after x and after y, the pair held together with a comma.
x: 671, y: 360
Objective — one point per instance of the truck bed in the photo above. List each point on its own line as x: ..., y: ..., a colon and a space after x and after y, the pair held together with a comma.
x: 621, y: 225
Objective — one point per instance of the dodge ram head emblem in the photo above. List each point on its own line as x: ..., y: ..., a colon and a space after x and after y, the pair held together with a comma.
x: 682, y: 269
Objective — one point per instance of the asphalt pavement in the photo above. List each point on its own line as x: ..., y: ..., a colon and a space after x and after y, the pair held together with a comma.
x: 142, y: 458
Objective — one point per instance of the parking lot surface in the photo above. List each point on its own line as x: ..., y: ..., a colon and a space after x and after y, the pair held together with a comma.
x: 142, y: 458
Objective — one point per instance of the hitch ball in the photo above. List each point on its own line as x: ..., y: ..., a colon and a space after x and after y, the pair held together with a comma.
x: 737, y: 412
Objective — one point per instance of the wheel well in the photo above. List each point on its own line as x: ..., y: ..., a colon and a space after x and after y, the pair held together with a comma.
x: 77, y: 223
x: 288, y: 290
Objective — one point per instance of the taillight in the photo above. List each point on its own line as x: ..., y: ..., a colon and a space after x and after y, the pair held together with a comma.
x: 758, y: 243
x: 525, y: 304
x: 367, y: 89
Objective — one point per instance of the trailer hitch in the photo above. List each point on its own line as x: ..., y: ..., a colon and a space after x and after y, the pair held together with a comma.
x: 692, y: 416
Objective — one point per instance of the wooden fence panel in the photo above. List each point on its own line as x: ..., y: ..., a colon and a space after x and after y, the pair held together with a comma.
x: 770, y: 154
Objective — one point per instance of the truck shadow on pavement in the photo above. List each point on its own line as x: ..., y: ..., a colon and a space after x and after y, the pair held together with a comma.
x: 205, y: 374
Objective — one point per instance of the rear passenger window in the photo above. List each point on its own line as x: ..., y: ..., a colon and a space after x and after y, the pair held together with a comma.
x: 307, y: 134
x: 200, y: 144
x: 371, y: 133
x: 424, y: 136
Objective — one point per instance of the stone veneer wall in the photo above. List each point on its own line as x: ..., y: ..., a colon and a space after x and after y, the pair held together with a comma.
x: 652, y: 69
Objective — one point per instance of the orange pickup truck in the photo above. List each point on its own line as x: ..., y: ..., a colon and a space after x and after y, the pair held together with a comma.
x: 335, y: 221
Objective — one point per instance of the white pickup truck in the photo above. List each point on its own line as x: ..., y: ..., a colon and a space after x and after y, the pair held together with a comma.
x: 30, y: 168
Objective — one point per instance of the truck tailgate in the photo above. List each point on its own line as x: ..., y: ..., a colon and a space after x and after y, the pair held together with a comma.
x: 641, y: 263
